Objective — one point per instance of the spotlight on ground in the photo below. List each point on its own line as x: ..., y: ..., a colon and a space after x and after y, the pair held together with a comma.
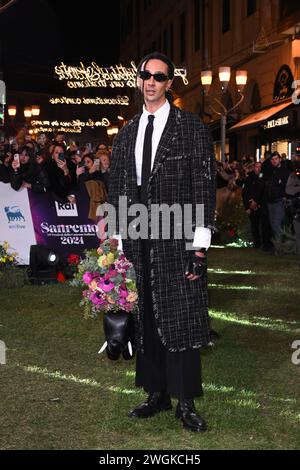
x: 43, y: 265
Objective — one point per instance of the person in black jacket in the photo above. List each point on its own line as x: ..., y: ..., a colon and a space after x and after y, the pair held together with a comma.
x: 172, y: 323
x: 5, y: 162
x: 266, y: 168
x: 90, y: 170
x: 105, y: 168
x: 252, y: 193
x: 275, y: 185
x: 59, y: 175
x: 26, y: 173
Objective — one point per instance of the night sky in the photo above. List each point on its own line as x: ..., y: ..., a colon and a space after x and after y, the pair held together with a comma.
x: 37, y: 34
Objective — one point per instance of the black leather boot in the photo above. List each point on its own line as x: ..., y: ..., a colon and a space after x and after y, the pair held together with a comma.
x: 155, y: 403
x: 187, y: 413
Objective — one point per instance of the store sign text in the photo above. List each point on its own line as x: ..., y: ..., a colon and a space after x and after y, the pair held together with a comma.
x: 277, y: 122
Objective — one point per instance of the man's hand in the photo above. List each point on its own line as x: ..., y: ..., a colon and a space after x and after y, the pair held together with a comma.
x: 195, y: 265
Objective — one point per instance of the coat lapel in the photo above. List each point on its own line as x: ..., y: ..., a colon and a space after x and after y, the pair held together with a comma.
x: 130, y: 165
x: 167, y: 139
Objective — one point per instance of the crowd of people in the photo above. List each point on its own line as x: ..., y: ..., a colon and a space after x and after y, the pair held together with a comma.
x: 270, y: 190
x: 48, y: 164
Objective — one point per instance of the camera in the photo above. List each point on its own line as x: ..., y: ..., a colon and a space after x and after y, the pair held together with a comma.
x: 61, y: 157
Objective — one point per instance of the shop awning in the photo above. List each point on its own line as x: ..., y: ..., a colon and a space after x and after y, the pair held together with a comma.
x: 260, y: 116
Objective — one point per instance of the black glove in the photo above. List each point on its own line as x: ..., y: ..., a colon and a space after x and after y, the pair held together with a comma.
x: 194, y: 264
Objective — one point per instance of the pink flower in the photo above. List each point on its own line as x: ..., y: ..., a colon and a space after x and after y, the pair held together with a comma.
x: 106, y: 285
x: 125, y: 305
x: 112, y: 271
x: 96, y: 299
x: 123, y: 292
x: 87, y: 277
x: 122, y: 264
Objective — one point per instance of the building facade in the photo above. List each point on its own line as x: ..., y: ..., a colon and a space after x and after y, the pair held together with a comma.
x: 260, y: 36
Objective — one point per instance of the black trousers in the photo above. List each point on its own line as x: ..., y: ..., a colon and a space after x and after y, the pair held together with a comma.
x: 256, y: 221
x: 266, y: 231
x: 157, y: 369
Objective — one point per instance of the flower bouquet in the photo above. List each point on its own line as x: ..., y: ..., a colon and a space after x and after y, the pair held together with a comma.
x: 110, y: 290
x: 7, y: 259
x: 11, y: 275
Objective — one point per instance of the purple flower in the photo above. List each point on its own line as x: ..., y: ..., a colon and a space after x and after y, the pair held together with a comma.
x: 96, y: 299
x: 106, y: 285
x: 123, y: 292
x: 112, y: 272
x: 87, y: 277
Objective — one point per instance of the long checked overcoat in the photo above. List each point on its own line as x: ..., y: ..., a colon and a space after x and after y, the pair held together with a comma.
x: 184, y: 173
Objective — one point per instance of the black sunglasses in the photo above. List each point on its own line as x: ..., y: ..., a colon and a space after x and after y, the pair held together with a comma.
x: 158, y: 77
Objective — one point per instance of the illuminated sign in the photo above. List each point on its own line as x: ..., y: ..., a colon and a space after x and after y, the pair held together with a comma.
x: 74, y: 126
x: 283, y: 121
x: 66, y: 130
x: 94, y: 76
x: 118, y: 100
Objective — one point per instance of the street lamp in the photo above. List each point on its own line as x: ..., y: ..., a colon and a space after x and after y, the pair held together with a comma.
x: 12, y: 111
x: 27, y: 113
x: 224, y: 78
x: 35, y: 110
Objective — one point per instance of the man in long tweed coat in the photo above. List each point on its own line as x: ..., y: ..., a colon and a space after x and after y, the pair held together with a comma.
x: 172, y: 323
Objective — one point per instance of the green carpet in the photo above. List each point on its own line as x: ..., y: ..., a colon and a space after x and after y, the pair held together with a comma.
x: 56, y: 392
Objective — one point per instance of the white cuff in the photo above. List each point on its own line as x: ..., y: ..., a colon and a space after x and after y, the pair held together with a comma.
x: 202, y: 237
x: 119, y: 238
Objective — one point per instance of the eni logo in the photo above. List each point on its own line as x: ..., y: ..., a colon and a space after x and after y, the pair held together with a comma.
x: 14, y: 214
x: 2, y: 353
